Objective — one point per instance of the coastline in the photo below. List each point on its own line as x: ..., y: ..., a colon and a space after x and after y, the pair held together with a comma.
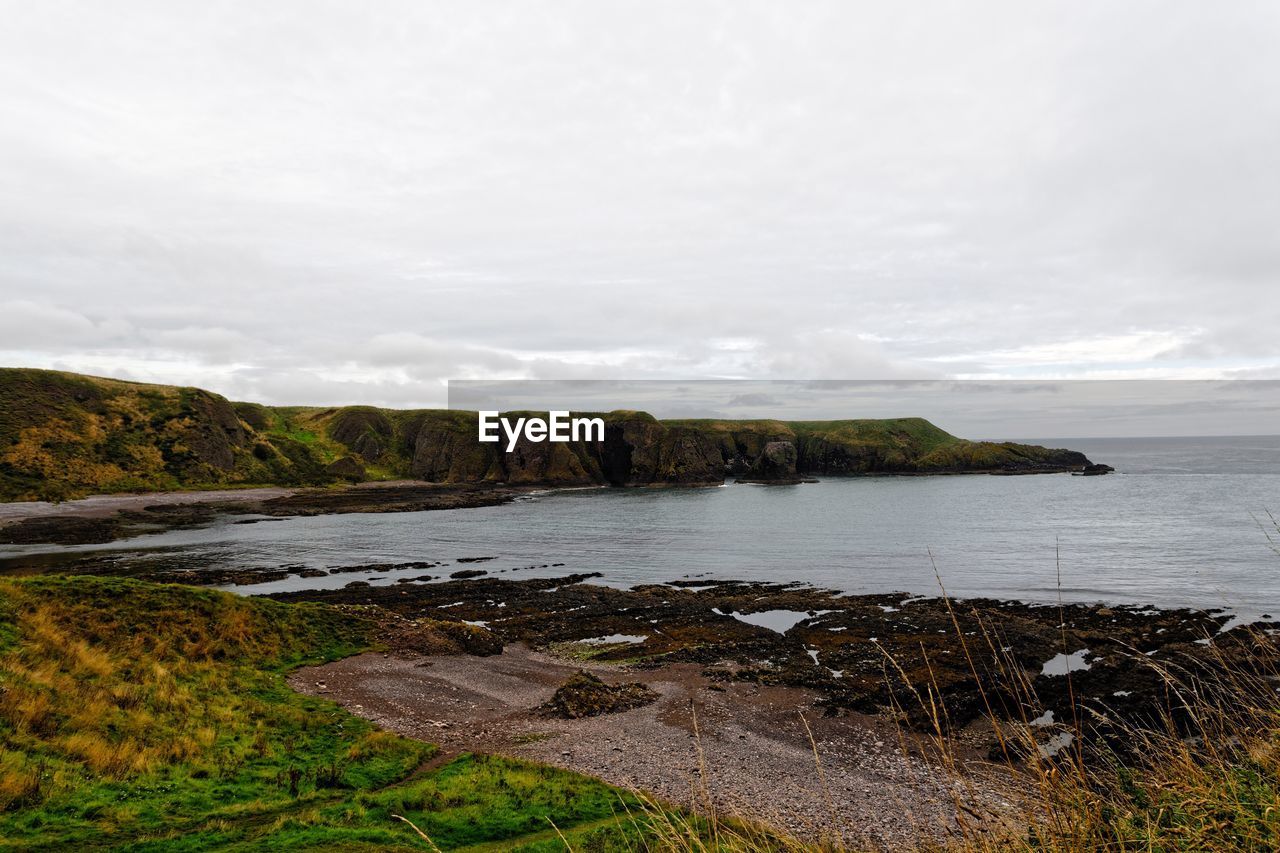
x: 121, y: 515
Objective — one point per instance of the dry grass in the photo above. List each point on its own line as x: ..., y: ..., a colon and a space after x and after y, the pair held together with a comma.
x: 1201, y: 772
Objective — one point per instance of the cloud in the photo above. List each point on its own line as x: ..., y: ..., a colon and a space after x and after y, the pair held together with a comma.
x: 24, y: 323
x: 338, y: 201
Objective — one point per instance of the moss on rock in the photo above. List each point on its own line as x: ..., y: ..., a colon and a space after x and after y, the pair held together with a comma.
x: 585, y: 695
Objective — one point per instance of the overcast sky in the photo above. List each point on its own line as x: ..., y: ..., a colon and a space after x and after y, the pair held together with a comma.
x: 352, y: 202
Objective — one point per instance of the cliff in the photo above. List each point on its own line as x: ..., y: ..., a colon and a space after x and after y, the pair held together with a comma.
x: 64, y: 435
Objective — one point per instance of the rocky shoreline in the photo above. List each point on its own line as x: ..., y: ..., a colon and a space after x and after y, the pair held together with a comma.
x: 107, y: 518
x: 744, y: 686
x: 865, y: 654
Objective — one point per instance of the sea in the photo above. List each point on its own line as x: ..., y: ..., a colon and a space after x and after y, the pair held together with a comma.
x: 1183, y: 522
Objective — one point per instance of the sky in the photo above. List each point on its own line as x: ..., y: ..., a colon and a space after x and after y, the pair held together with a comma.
x: 316, y: 202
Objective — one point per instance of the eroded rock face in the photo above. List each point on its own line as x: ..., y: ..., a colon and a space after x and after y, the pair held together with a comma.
x: 366, y: 432
x: 346, y: 468
x: 541, y: 462
x: 640, y: 451
x: 213, y: 432
x: 775, y: 464
x: 445, y: 455
x: 636, y: 451
x: 254, y: 415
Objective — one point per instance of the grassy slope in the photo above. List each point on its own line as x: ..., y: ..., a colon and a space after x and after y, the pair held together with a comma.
x: 157, y: 717
x: 64, y: 435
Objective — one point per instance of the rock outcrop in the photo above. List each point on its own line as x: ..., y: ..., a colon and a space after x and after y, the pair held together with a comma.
x: 776, y: 465
x: 637, y: 450
x: 364, y: 431
x: 347, y: 468
x: 586, y: 695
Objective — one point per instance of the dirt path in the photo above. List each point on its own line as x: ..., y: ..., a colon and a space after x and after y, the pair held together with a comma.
x: 756, y: 754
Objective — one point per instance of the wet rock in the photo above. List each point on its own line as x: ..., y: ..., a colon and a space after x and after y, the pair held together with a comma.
x: 411, y: 497
x: 867, y: 653
x: 464, y: 574
x: 443, y: 637
x: 63, y: 531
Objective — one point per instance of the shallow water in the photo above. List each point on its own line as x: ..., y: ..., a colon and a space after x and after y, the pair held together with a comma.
x: 1175, y: 527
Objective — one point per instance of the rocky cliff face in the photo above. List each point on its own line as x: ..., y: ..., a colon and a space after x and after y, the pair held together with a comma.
x: 775, y: 464
x: 210, y: 432
x: 637, y: 451
x: 64, y: 435
x: 366, y: 431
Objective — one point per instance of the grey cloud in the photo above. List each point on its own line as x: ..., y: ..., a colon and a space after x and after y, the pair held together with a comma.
x: 337, y: 199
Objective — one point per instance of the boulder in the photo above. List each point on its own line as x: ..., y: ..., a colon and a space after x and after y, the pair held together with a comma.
x: 585, y: 695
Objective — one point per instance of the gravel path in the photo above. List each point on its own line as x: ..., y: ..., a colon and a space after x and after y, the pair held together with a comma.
x: 757, y: 758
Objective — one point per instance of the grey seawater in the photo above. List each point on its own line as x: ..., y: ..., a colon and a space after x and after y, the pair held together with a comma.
x: 1175, y: 526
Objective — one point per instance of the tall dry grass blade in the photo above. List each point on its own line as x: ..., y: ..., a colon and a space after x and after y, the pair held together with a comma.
x: 421, y: 834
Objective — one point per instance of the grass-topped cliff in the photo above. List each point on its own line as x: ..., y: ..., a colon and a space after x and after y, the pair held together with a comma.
x: 63, y: 435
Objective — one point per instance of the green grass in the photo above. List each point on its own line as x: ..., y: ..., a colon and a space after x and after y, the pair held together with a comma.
x: 157, y: 717
x: 304, y: 436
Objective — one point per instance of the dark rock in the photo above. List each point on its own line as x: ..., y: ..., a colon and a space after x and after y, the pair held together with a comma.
x: 441, y: 637
x: 254, y: 415
x: 874, y: 652
x: 67, y: 530
x: 346, y: 468
x: 463, y: 574
x: 776, y: 465
x: 585, y: 695
x: 211, y: 434
x: 364, y: 431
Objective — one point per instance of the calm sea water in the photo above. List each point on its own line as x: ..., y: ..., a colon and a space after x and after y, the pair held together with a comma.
x: 1176, y: 526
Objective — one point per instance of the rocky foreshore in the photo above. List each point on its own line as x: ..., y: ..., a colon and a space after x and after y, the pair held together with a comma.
x: 870, y: 654
x: 107, y: 518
